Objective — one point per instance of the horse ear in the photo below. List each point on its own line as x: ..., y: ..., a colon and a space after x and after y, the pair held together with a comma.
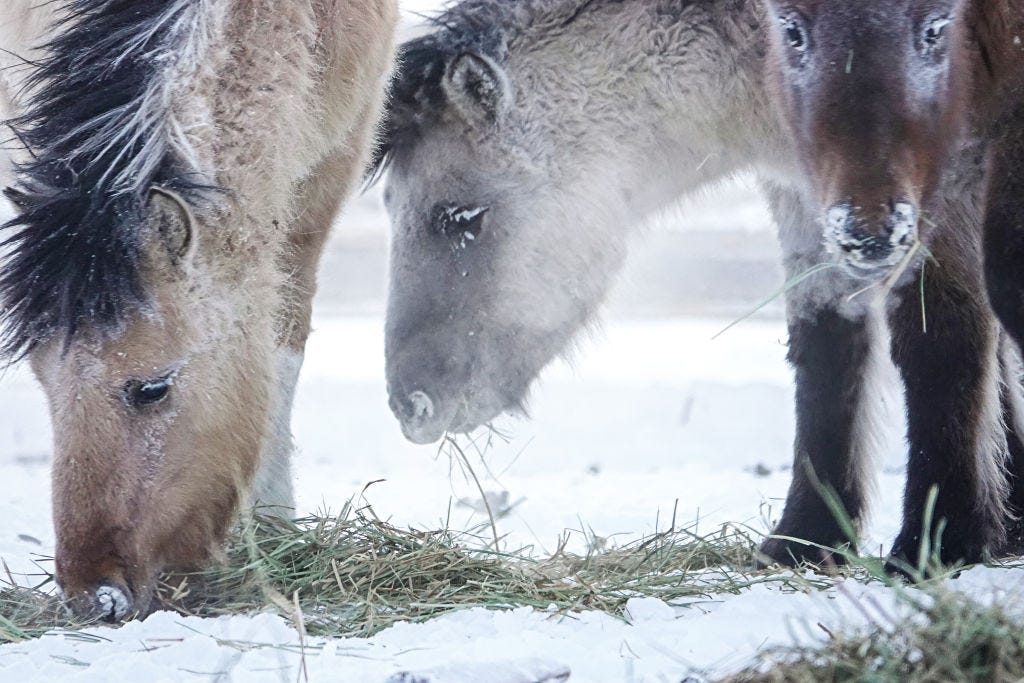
x: 173, y: 224
x: 477, y: 87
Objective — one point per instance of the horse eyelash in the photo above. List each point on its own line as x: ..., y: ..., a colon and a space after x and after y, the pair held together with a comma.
x: 934, y: 33
x: 790, y: 25
x: 455, y: 216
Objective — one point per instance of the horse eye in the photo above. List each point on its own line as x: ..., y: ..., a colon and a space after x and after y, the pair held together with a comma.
x: 935, y: 31
x: 464, y: 223
x: 793, y: 33
x: 138, y: 393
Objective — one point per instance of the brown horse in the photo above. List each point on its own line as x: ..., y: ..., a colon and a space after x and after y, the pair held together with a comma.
x: 881, y: 99
x: 182, y: 164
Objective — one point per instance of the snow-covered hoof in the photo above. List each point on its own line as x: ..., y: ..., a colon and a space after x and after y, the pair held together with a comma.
x: 791, y: 553
x: 1013, y: 546
x: 110, y: 601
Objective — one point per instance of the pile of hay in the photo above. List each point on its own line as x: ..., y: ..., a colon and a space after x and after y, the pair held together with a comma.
x: 354, y: 574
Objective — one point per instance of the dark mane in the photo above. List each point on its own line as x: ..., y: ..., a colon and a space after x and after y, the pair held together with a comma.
x: 99, y: 131
x: 484, y: 27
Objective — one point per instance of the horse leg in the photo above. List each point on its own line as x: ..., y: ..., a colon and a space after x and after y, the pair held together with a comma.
x: 829, y: 353
x: 1004, y: 281
x: 320, y: 197
x: 1012, y: 397
x: 832, y: 346
x: 1004, y: 228
x: 946, y: 344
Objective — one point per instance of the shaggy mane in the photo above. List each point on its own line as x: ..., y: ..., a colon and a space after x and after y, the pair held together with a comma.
x: 100, y: 132
x: 485, y: 27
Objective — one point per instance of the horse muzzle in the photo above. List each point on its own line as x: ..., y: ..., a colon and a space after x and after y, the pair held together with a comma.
x: 109, y: 600
x: 868, y: 242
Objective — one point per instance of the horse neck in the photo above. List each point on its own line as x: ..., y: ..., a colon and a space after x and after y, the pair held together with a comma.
x: 660, y: 102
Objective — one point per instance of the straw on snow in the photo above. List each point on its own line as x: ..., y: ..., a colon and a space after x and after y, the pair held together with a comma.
x: 354, y: 574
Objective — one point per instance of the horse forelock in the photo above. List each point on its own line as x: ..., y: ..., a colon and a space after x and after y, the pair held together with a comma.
x: 100, y: 130
x: 484, y: 27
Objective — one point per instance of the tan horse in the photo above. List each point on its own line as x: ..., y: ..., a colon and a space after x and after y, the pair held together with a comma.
x: 183, y: 162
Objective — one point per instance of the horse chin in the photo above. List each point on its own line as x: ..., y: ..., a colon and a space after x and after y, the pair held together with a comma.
x: 423, y: 435
x: 464, y: 424
x: 871, y: 270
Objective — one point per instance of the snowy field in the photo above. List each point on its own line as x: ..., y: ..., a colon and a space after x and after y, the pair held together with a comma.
x: 651, y: 416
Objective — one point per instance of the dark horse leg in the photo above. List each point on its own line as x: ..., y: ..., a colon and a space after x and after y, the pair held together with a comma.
x: 945, y: 342
x: 1004, y: 279
x: 830, y: 348
x: 1013, y: 418
x: 829, y: 353
x: 951, y: 373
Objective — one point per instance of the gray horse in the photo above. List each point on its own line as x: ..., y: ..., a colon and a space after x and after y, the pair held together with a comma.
x: 525, y: 140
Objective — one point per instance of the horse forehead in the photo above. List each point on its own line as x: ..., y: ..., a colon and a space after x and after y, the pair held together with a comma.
x: 855, y: 16
x: 452, y: 157
x: 881, y: 13
x: 90, y: 356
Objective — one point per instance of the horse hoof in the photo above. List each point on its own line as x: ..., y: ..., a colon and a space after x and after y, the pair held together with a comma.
x: 788, y: 553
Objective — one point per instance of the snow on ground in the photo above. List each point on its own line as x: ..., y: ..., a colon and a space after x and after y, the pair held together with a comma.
x: 657, y: 643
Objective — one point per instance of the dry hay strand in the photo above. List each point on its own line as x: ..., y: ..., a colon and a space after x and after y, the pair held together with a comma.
x: 354, y: 574
x: 946, y: 637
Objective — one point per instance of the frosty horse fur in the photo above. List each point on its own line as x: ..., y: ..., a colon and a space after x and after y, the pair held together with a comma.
x: 182, y: 162
x: 525, y: 138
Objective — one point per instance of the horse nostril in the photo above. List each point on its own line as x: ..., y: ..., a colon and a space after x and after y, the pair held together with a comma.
x: 112, y: 603
x: 867, y: 239
x: 421, y: 418
x: 839, y: 219
x: 902, y: 224
x: 421, y: 406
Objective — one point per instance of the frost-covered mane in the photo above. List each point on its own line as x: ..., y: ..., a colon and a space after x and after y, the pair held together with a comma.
x: 484, y: 27
x: 100, y: 131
